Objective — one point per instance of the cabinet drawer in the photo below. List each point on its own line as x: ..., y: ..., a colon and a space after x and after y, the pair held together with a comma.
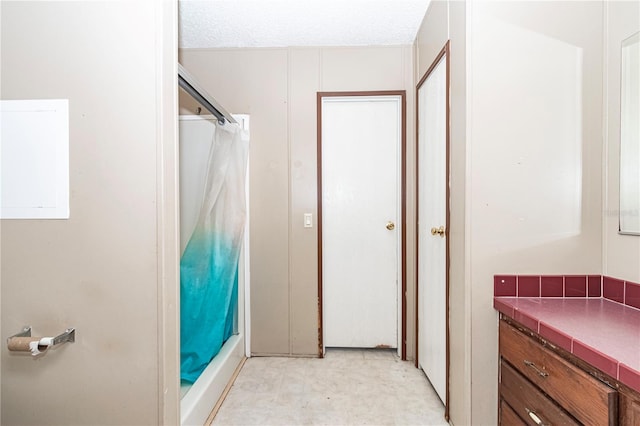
x: 629, y: 409
x: 587, y: 399
x: 528, y: 402
x: 508, y: 417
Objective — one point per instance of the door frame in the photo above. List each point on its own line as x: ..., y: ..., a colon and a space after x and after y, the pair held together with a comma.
x: 403, y: 202
x: 443, y: 52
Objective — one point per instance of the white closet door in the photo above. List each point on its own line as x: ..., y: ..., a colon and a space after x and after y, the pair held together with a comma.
x: 432, y: 211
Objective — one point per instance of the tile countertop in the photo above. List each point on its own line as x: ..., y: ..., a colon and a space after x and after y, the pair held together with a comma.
x: 601, y: 332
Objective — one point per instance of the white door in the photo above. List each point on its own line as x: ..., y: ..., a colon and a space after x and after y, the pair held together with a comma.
x: 361, y: 139
x: 432, y: 212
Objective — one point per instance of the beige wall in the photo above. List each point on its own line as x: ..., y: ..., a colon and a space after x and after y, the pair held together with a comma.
x: 106, y: 270
x: 621, y: 252
x: 278, y: 88
x: 535, y: 167
x: 526, y: 136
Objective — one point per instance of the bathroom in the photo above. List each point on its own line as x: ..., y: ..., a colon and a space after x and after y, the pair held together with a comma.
x: 111, y: 270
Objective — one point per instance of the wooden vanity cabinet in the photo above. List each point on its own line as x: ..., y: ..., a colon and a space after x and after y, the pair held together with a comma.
x: 542, y: 388
x: 629, y: 408
x: 528, y: 402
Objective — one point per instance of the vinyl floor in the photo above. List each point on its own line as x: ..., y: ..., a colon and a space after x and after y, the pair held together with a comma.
x: 347, y: 387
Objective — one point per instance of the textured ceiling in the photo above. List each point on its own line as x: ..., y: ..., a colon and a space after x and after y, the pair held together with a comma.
x: 279, y: 23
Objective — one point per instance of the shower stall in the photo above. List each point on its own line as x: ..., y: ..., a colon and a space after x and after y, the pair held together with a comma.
x: 214, y: 265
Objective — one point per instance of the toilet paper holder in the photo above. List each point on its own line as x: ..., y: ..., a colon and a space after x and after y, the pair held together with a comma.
x: 69, y: 335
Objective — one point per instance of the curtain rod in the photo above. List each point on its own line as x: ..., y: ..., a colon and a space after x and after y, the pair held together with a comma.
x: 190, y: 85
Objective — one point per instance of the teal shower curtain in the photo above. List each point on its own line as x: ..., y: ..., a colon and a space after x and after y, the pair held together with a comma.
x: 209, y: 264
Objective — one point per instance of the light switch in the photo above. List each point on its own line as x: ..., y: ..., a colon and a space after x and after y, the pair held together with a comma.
x: 308, y: 220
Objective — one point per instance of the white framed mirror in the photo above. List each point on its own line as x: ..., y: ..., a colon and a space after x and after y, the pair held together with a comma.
x: 630, y: 136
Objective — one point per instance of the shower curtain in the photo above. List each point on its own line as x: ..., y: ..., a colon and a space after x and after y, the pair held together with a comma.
x: 209, y: 264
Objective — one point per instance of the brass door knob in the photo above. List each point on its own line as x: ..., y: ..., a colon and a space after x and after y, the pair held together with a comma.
x: 438, y: 231
x: 391, y: 226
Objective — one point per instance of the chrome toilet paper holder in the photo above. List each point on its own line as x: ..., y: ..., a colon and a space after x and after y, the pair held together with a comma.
x: 69, y: 335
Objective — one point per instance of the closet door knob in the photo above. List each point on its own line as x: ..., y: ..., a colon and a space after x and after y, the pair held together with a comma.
x: 438, y: 231
x: 391, y: 226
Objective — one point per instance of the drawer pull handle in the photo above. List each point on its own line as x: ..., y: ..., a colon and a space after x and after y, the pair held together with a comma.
x: 537, y: 420
x: 532, y: 365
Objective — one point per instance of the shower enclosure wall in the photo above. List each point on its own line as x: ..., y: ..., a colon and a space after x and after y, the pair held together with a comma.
x: 196, y: 138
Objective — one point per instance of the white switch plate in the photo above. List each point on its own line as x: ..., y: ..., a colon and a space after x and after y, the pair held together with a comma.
x: 308, y: 220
